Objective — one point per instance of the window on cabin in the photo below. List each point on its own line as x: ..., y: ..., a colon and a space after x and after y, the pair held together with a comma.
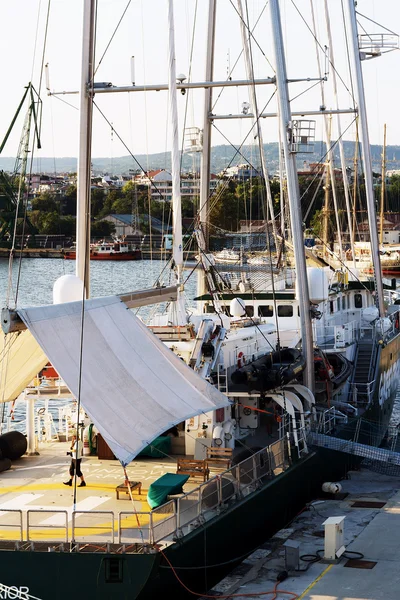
x: 285, y: 310
x: 226, y: 311
x: 338, y: 303
x: 358, y: 301
x: 331, y: 307
x: 266, y: 310
x: 250, y: 311
x: 209, y: 308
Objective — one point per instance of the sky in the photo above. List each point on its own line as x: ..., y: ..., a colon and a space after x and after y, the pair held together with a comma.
x: 141, y: 120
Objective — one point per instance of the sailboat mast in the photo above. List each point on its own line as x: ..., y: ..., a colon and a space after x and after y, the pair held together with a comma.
x: 285, y: 118
x: 177, y: 244
x: 366, y: 152
x: 256, y: 120
x: 339, y: 129
x: 206, y: 153
x: 383, y: 186
x: 85, y: 146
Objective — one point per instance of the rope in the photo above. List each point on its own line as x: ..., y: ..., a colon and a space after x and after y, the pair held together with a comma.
x: 128, y: 487
x: 274, y: 592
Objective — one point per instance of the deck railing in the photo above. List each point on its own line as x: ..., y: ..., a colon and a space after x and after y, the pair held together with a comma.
x: 174, y: 519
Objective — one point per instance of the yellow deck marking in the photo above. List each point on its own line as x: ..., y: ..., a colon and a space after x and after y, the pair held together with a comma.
x: 42, y: 534
x: 55, y: 486
x: 328, y: 568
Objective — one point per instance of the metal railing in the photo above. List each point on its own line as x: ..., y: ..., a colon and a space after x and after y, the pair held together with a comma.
x: 8, y: 523
x: 56, y: 525
x: 93, y: 527
x: 134, y: 527
x: 175, y: 518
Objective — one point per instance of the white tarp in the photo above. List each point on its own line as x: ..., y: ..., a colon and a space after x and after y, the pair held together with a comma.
x: 133, y: 387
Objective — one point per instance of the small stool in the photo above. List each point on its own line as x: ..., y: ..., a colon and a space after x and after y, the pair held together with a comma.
x: 134, y: 485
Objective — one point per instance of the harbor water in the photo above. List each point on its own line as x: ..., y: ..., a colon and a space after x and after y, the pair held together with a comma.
x: 34, y: 280
x: 36, y: 276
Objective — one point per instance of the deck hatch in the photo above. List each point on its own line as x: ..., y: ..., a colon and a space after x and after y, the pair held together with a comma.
x: 368, y: 504
x: 357, y: 563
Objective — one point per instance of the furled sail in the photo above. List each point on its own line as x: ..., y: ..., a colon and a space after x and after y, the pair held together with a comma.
x: 21, y: 359
x: 132, y: 385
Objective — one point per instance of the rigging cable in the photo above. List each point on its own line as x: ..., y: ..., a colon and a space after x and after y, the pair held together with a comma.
x: 112, y: 37
x: 230, y: 70
x: 333, y: 66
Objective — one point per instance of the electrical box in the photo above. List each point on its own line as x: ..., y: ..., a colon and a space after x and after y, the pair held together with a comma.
x: 334, y: 538
x: 292, y: 556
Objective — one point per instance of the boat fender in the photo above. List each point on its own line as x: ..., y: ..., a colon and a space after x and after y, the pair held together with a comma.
x: 331, y: 487
x: 218, y: 435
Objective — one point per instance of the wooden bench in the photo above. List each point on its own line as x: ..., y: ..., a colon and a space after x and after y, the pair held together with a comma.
x: 134, y: 485
x: 192, y: 467
x: 219, y: 457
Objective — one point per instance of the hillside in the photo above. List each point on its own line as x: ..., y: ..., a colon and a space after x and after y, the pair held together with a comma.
x: 221, y: 156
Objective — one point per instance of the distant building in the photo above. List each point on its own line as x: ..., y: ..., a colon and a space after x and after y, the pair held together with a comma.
x: 391, y: 229
x: 242, y: 172
x: 160, y: 181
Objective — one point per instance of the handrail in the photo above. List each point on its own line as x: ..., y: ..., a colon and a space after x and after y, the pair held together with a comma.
x: 19, y: 525
x: 43, y: 525
x: 92, y: 513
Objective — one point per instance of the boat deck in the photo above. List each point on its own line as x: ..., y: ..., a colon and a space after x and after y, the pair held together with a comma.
x: 33, y: 490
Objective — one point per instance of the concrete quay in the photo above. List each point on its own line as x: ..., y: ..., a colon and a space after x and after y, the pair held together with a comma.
x: 373, y: 532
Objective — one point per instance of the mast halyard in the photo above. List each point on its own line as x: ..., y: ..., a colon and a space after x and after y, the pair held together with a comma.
x: 206, y: 153
x: 85, y: 147
x: 178, y: 312
x: 339, y: 128
x: 366, y: 153
x: 293, y: 194
x: 383, y: 187
x: 256, y: 121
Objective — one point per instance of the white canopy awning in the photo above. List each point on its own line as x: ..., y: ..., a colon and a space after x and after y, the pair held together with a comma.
x: 21, y: 359
x: 132, y: 385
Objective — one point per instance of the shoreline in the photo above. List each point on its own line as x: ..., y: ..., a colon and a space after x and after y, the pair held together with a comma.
x: 54, y: 253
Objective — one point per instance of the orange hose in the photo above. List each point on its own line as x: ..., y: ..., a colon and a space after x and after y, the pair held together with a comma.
x: 275, y: 591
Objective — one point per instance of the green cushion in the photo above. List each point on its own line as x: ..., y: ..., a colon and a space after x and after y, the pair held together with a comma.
x: 170, y: 483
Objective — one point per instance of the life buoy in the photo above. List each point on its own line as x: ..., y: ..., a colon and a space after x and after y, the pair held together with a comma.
x: 240, y: 360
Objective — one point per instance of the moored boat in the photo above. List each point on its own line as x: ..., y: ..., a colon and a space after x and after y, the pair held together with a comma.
x: 115, y: 250
x: 135, y: 387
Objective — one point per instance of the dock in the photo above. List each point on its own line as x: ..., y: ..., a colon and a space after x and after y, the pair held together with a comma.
x: 370, y: 503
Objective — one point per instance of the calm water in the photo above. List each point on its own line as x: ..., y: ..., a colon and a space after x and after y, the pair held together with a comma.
x: 107, y: 278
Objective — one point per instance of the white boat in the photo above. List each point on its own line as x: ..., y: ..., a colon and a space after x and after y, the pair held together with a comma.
x: 214, y: 374
x: 229, y: 256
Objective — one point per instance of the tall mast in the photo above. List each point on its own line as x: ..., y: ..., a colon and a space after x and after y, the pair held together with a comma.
x: 355, y: 187
x: 206, y: 153
x: 177, y: 248
x: 256, y: 120
x: 285, y: 118
x: 341, y: 149
x: 366, y: 152
x: 85, y: 147
x: 383, y: 186
x: 328, y: 132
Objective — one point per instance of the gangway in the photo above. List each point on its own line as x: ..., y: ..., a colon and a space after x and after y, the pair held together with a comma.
x: 382, y: 455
